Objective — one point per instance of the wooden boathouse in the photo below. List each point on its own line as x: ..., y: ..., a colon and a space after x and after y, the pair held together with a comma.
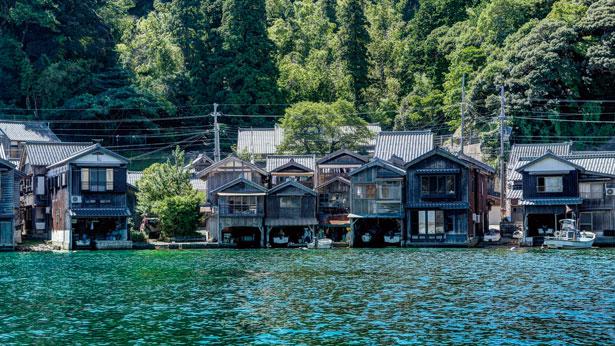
x: 448, y: 199
x: 334, y: 192
x: 376, y: 204
x: 235, y: 200
x: 290, y: 214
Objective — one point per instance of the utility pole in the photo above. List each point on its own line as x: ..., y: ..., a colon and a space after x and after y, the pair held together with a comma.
x: 502, y: 118
x: 216, y: 133
x: 463, y: 112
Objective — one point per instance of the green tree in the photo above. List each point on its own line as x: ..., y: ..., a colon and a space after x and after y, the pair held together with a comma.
x: 163, y: 180
x: 353, y: 41
x: 321, y: 128
x: 179, y: 215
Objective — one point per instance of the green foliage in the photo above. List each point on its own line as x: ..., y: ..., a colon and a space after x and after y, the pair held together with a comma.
x: 179, y: 215
x: 162, y: 180
x: 322, y: 128
x: 137, y: 236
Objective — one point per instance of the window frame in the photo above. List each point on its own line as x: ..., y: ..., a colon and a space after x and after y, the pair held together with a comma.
x: 544, y: 184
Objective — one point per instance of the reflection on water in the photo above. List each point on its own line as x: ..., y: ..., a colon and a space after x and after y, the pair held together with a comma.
x: 383, y: 296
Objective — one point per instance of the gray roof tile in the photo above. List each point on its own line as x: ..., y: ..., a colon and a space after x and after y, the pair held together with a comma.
x: 276, y: 161
x: 48, y: 153
x: 534, y: 150
x: 28, y: 131
x: 407, y: 145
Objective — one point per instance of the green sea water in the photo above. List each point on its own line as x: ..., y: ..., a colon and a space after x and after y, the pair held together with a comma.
x: 340, y: 296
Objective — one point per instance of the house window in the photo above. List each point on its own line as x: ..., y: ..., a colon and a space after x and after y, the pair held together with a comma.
x: 431, y: 221
x: 40, y: 185
x: 438, y: 185
x: 550, y: 184
x: 109, y: 179
x: 365, y: 191
x: 97, y: 179
x: 591, y: 190
x: 290, y: 202
x: 390, y: 190
x: 595, y: 221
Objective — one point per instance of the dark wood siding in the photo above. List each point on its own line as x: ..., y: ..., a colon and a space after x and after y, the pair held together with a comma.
x: 570, y: 186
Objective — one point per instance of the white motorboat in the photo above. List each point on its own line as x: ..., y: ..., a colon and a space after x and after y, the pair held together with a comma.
x: 366, y: 237
x: 323, y: 243
x: 392, y: 238
x: 492, y: 235
x: 569, y: 237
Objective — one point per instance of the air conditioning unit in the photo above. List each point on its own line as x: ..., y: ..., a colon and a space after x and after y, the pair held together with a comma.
x: 75, y: 199
x: 610, y: 191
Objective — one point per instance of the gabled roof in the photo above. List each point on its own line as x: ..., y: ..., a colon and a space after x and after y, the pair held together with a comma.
x: 239, y: 181
x: 407, y: 145
x: 439, y: 152
x: 339, y: 153
x: 27, y: 131
x: 332, y: 180
x: 377, y: 162
x: 200, y: 157
x: 294, y: 184
x: 277, y: 162
x: 93, y: 148
x: 518, y: 151
x: 227, y: 160
x: 47, y: 153
x: 547, y: 155
x: 8, y: 164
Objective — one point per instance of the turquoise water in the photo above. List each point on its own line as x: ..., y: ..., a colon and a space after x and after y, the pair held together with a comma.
x: 346, y: 296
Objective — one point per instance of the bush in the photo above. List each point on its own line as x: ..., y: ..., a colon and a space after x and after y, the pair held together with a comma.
x: 137, y: 236
x: 179, y: 215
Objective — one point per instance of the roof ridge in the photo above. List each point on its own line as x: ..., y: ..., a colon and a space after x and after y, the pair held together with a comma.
x: 58, y: 143
x: 428, y: 131
x: 541, y: 144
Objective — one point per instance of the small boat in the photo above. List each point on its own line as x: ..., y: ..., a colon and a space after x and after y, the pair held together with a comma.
x: 392, y: 238
x: 366, y: 237
x: 323, y: 243
x: 280, y: 240
x: 492, y: 235
x: 569, y: 237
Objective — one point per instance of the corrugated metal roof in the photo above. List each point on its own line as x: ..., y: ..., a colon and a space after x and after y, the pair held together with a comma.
x: 407, y: 145
x: 514, y: 194
x: 276, y: 161
x: 28, y: 131
x: 265, y: 141
x: 48, y: 153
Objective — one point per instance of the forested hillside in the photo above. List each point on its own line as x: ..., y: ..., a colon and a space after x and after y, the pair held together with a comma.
x: 118, y: 69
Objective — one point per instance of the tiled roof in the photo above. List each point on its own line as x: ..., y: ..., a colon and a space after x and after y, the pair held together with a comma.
x: 259, y: 141
x: 265, y: 141
x: 534, y: 150
x: 441, y: 205
x: 99, y: 212
x: 287, y: 221
x: 339, y: 153
x: 48, y: 153
x: 407, y: 145
x: 293, y: 183
x: 276, y: 161
x: 381, y: 163
x: 552, y: 201
x: 476, y: 162
x: 92, y: 148
x: 28, y: 131
x: 133, y: 177
x: 514, y: 194
x: 602, y: 162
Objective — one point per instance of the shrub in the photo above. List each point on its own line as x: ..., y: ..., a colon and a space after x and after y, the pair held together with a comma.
x: 137, y: 236
x: 179, y: 215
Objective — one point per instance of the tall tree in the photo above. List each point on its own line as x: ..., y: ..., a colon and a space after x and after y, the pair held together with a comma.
x: 353, y: 41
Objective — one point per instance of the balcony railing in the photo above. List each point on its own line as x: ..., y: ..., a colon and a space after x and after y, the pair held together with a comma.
x: 226, y: 209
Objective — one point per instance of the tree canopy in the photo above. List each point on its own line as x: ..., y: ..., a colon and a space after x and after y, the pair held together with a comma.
x: 397, y: 62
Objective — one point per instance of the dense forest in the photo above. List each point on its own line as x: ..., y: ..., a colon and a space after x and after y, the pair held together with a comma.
x: 143, y: 75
